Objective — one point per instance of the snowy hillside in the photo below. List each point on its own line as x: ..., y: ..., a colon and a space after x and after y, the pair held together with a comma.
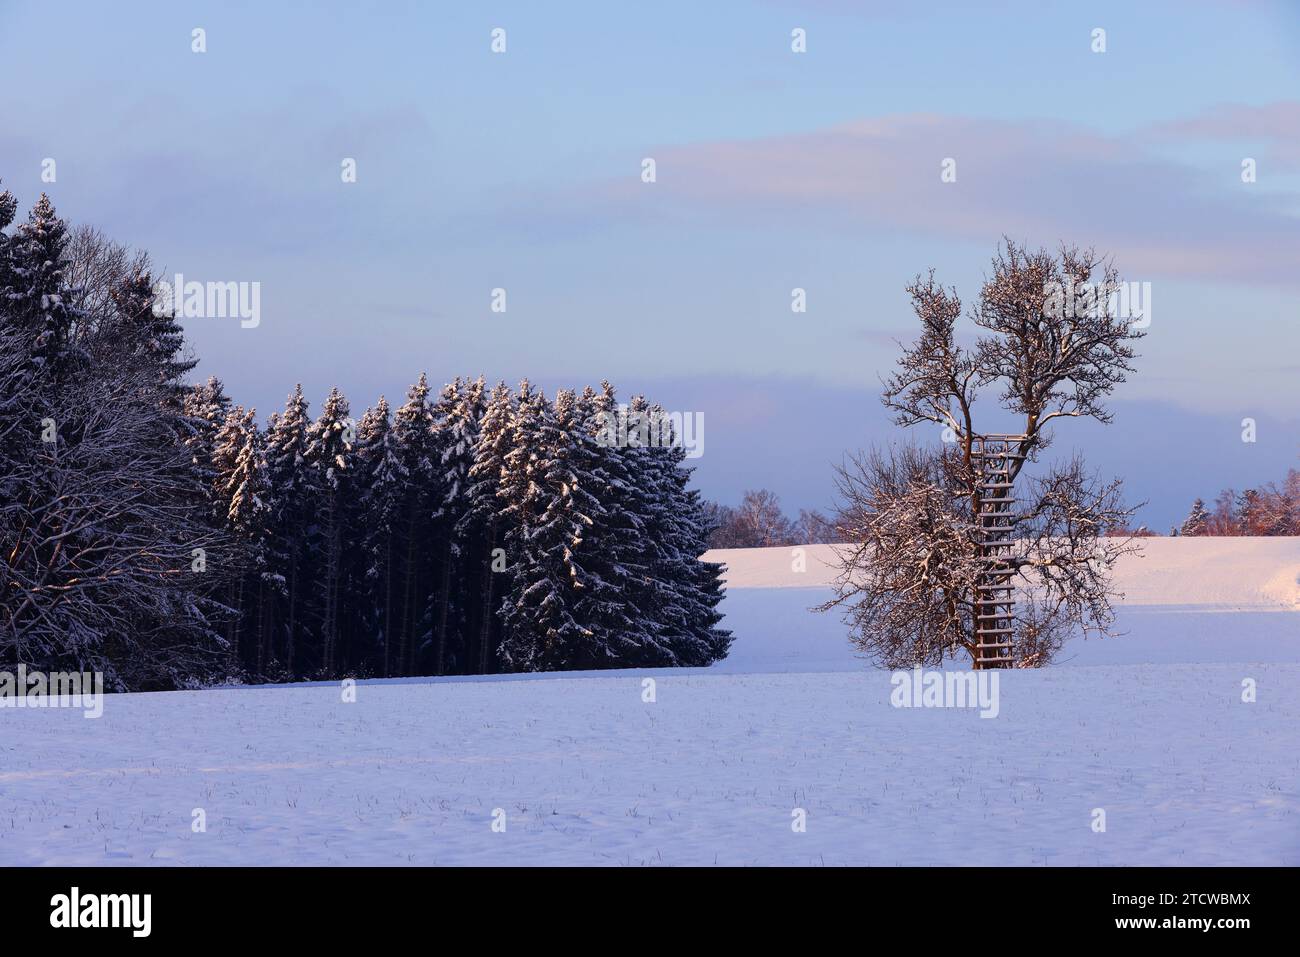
x: 1186, y: 600
x: 1153, y: 731
x: 1229, y: 573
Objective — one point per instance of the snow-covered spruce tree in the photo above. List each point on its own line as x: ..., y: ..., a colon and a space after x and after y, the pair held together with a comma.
x: 197, y: 422
x: 484, y: 525
x: 291, y: 513
x: 243, y: 492
x: 19, y: 405
x: 628, y: 605
x: 380, y: 479
x: 100, y: 529
x: 457, y: 417
x: 521, y: 499
x: 328, y: 454
x: 684, y: 591
x: 204, y: 408
x: 615, y: 556
x: 1197, y: 521
x: 603, y: 540
x: 149, y: 337
x: 38, y: 297
x: 1054, y: 349
x: 445, y: 491
x: 413, y: 438
x: 557, y: 614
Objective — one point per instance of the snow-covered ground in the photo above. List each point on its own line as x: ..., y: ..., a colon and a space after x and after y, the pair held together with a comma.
x: 1186, y: 601
x: 1151, y: 728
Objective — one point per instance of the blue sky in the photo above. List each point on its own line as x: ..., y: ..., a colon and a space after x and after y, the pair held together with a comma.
x: 819, y: 170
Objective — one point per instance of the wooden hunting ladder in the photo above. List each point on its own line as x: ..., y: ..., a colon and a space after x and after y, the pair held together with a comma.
x: 995, y: 457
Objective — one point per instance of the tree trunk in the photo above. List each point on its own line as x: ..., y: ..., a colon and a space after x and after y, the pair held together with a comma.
x: 485, y: 627
x: 263, y: 625
x: 293, y: 618
x: 388, y: 599
x: 408, y: 601
x: 444, y: 600
x: 330, y: 614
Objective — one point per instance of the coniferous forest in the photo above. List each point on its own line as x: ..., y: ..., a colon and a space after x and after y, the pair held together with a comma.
x: 159, y: 532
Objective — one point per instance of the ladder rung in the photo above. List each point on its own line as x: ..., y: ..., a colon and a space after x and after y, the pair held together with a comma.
x: 997, y: 631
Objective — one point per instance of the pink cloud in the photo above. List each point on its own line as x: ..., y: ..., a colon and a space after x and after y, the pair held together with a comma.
x: 1276, y: 124
x: 1038, y: 181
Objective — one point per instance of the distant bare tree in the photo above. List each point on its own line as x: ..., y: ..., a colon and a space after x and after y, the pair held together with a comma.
x: 1280, y: 511
x: 94, y: 267
x: 1270, y: 509
x: 1224, y: 519
x: 757, y: 523
x: 760, y: 523
x: 762, y: 520
x: 1054, y: 348
x: 814, y: 528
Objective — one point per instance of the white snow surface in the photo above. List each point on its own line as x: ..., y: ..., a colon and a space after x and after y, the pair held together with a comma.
x: 1150, y: 727
x: 1225, y: 573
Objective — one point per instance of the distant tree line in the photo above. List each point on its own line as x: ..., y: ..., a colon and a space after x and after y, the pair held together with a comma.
x: 158, y: 532
x: 759, y: 522
x: 1271, y: 509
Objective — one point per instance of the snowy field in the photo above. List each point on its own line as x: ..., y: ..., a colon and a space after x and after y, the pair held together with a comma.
x: 1150, y: 728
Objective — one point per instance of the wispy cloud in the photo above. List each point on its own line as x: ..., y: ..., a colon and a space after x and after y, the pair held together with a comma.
x: 1277, y: 125
x: 1038, y: 181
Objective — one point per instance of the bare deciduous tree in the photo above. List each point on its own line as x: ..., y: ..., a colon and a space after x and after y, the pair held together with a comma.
x: 94, y: 266
x: 909, y: 584
x: 757, y: 522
